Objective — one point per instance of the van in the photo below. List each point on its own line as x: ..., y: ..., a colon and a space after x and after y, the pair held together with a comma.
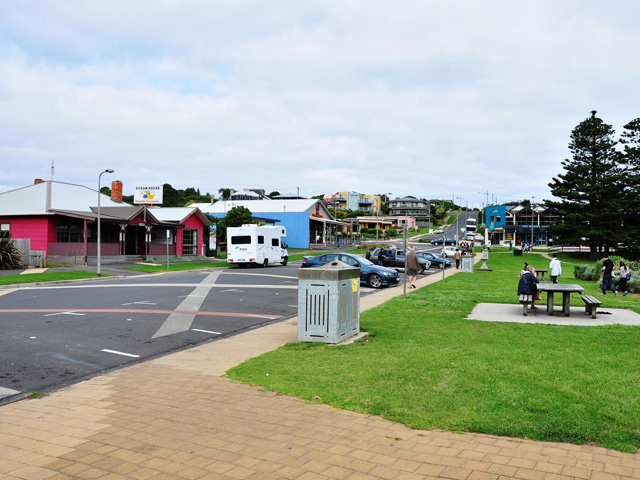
x: 257, y: 245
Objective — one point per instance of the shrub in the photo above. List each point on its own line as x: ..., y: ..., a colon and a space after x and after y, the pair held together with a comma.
x: 10, y: 257
x: 586, y: 272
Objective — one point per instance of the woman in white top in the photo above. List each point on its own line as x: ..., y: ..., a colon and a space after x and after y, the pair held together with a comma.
x: 624, y: 276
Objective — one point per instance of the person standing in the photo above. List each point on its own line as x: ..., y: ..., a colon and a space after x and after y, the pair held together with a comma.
x: 457, y: 257
x: 555, y: 268
x: 607, y: 275
x: 623, y: 278
x: 413, y: 264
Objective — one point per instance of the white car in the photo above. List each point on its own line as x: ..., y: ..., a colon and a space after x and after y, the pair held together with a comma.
x: 440, y: 230
x: 448, y: 251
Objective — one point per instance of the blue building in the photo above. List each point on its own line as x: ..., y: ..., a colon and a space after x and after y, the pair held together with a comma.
x: 519, y: 224
x: 308, y: 222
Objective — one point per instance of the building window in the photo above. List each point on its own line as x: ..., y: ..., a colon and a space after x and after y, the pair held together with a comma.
x: 189, y: 242
x: 68, y: 234
x: 5, y: 227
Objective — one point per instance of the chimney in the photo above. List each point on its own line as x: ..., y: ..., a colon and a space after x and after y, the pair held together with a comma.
x: 37, y: 181
x: 116, y: 191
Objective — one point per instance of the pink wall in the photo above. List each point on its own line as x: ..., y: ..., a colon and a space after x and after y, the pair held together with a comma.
x: 194, y: 223
x: 41, y: 230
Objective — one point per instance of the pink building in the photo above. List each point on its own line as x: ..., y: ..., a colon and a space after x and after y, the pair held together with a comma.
x: 60, y: 220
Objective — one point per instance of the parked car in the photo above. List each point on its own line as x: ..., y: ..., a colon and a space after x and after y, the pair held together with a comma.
x: 440, y: 230
x: 370, y: 273
x: 449, y: 251
x: 394, y: 258
x: 441, y: 240
x: 434, y: 259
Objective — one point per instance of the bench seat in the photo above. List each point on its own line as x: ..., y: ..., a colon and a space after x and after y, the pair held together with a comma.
x: 591, y: 305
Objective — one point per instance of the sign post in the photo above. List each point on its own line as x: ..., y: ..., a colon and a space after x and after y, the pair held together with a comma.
x: 168, y: 240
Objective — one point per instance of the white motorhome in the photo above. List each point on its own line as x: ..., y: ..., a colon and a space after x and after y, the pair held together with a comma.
x: 257, y: 245
x: 471, y: 228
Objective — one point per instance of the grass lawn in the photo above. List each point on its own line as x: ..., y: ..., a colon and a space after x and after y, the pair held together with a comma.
x: 45, y: 277
x: 427, y: 367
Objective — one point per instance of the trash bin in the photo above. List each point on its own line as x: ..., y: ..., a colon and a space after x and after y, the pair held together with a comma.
x: 517, y: 252
x: 328, y: 303
x: 467, y: 265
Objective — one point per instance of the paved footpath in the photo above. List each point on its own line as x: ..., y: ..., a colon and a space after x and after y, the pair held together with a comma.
x: 177, y: 417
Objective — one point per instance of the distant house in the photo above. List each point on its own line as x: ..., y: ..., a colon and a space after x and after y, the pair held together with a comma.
x: 249, y: 194
x: 60, y: 220
x: 409, y: 207
x: 353, y: 201
x: 520, y: 224
x: 308, y: 222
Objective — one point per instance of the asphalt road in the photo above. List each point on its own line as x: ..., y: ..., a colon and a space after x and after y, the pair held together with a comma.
x: 53, y: 335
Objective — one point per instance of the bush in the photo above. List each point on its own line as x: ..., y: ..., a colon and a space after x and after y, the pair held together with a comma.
x: 10, y: 257
x: 587, y: 272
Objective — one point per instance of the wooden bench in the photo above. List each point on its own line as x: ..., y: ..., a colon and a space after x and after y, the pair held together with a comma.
x: 591, y: 304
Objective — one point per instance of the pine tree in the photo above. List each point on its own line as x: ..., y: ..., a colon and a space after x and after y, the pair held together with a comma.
x: 630, y: 163
x: 589, y: 189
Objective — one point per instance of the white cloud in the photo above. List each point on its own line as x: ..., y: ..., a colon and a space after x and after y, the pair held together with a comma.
x: 417, y: 98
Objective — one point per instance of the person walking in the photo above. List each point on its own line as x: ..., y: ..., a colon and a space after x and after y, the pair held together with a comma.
x: 413, y: 264
x: 623, y: 278
x: 457, y: 257
x: 607, y: 275
x: 555, y: 268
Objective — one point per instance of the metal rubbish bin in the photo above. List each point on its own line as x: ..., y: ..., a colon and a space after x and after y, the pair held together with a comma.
x: 467, y: 265
x: 328, y: 303
x: 517, y: 253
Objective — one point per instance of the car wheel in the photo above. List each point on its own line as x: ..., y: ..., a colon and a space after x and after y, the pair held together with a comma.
x: 421, y: 269
x: 284, y: 262
x: 374, y: 280
x: 265, y: 263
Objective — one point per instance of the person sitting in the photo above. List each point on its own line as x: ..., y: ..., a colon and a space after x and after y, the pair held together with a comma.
x: 527, y: 287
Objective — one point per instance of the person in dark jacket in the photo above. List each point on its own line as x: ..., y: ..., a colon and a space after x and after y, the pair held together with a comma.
x: 527, y: 286
x: 607, y: 275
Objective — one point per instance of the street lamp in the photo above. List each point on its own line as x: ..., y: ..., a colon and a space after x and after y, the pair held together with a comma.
x: 466, y: 209
x: 533, y: 199
x: 108, y: 170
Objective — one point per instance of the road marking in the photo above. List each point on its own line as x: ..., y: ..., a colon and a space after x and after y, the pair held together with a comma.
x: 206, y: 331
x: 292, y: 305
x: 231, y: 290
x: 157, y: 285
x: 144, y: 302
x: 120, y: 353
x: 184, y: 296
x: 65, y: 313
x: 145, y: 312
x: 181, y: 322
x: 259, y: 275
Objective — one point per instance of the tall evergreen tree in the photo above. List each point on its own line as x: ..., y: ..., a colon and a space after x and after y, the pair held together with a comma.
x: 589, y: 188
x: 630, y: 163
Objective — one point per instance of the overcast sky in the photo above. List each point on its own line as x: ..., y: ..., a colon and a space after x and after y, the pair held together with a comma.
x: 427, y: 98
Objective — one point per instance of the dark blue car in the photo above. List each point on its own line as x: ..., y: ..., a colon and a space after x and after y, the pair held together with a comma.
x: 435, y: 260
x: 374, y: 275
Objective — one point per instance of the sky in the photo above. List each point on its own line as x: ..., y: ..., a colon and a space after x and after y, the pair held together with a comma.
x: 434, y: 99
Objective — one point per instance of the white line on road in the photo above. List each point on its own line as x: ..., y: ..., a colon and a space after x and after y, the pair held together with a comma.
x: 144, y: 302
x: 206, y: 331
x: 120, y: 353
x: 64, y: 313
x: 231, y: 290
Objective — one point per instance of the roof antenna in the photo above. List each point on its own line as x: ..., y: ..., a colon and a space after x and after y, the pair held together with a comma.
x: 53, y: 168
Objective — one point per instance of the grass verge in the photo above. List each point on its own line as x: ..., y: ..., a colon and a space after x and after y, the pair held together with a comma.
x: 427, y: 367
x: 46, y: 277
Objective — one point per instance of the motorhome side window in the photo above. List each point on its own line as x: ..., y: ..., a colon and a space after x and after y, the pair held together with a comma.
x: 260, y: 239
x: 275, y: 242
x: 241, y: 240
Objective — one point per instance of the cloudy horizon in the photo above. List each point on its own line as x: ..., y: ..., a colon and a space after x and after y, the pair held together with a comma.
x: 426, y: 98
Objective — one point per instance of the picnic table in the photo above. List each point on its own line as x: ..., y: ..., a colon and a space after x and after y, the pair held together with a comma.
x: 565, y: 288
x: 540, y: 273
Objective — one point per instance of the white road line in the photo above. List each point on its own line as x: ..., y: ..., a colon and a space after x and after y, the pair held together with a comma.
x: 206, y: 331
x: 185, y: 296
x: 292, y: 305
x: 181, y: 322
x: 120, y: 353
x: 144, y: 302
x: 64, y: 313
x: 231, y: 290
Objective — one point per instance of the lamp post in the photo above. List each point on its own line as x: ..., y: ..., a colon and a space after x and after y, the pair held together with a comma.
x: 533, y: 199
x: 108, y: 170
x: 466, y: 209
